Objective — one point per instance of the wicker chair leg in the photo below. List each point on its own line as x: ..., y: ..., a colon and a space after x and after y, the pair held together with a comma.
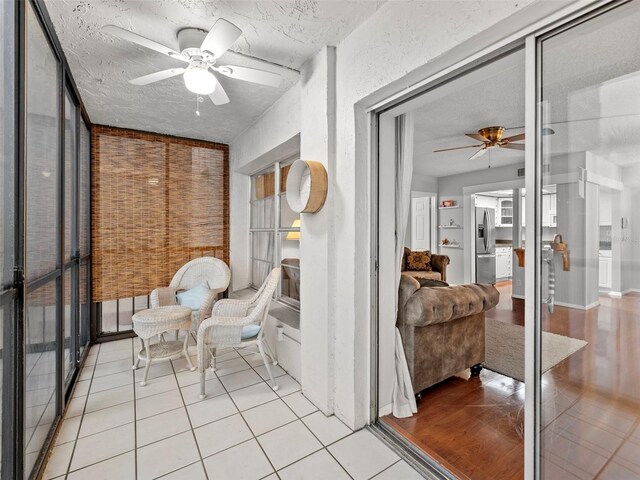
x: 274, y: 385
x: 146, y: 367
x: 212, y: 359
x: 203, y: 378
x: 272, y: 354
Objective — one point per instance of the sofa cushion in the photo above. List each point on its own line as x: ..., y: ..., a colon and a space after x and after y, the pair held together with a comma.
x: 424, y: 275
x: 419, y: 261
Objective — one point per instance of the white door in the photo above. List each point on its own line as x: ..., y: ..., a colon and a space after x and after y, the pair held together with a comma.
x: 421, y: 223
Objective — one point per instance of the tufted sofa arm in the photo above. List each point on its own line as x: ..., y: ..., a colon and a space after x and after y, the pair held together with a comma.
x: 429, y: 306
x: 439, y: 264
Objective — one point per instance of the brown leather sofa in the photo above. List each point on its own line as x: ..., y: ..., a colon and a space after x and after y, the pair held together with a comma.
x: 438, y: 264
x: 442, y: 328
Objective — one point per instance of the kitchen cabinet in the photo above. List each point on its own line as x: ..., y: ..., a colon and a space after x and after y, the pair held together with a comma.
x: 503, y: 262
x: 484, y: 201
x: 549, y: 210
x: 504, y: 216
x: 605, y: 276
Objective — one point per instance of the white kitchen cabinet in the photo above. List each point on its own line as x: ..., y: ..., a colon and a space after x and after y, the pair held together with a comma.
x: 504, y: 215
x: 503, y: 262
x: 484, y: 201
x: 605, y: 271
x: 549, y: 210
x: 605, y: 208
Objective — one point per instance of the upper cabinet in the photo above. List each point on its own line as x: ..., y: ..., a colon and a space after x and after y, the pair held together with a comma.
x: 549, y: 210
x: 483, y: 201
x: 504, y: 217
x: 605, y: 208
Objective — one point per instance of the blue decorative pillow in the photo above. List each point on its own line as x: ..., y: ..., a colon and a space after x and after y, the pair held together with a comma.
x: 250, y: 331
x: 194, y: 297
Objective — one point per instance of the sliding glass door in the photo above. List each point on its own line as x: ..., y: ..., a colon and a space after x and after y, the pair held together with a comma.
x: 42, y: 244
x: 589, y: 262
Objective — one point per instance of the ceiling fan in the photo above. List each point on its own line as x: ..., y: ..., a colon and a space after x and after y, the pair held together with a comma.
x: 492, y: 137
x: 201, y: 50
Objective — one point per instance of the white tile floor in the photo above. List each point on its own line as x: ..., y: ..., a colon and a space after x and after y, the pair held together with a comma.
x: 114, y: 428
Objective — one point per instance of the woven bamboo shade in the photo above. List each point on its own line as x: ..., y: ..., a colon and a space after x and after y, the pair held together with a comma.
x: 157, y: 202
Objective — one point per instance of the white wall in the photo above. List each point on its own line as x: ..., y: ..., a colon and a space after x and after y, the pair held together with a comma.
x: 388, y: 52
x: 251, y: 151
x: 317, y: 241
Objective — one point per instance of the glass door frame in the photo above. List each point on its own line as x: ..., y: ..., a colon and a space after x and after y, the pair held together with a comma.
x: 378, y: 116
x: 533, y: 212
x: 14, y: 290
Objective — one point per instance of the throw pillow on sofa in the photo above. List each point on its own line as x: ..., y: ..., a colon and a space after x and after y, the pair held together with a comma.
x: 419, y: 261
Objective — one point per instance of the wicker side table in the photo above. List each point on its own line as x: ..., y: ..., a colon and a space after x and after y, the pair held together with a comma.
x: 155, y: 321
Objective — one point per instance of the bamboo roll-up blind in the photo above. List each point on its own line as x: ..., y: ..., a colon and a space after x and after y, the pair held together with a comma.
x: 157, y: 202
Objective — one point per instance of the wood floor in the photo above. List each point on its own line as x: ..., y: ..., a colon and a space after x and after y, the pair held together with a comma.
x: 590, y: 404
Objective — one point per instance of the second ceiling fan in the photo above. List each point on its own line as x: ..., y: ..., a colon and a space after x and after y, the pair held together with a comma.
x: 201, y: 50
x: 492, y: 137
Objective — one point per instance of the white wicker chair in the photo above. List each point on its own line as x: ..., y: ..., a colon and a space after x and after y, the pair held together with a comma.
x: 224, y: 328
x: 211, y: 270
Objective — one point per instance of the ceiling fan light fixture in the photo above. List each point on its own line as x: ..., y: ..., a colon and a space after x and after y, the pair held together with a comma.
x: 200, y: 80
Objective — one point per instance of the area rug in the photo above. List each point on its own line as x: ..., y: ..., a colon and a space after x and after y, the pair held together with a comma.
x: 504, y: 348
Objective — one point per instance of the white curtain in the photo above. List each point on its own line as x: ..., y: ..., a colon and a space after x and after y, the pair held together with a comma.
x: 404, y: 402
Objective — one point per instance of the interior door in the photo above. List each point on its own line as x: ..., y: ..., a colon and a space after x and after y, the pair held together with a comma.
x: 588, y: 138
x: 421, y: 223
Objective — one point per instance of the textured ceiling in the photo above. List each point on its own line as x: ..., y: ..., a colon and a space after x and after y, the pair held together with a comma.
x: 285, y: 33
x: 590, y: 91
x: 490, y: 95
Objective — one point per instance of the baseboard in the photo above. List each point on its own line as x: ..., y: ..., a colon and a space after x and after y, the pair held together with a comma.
x: 615, y: 294
x: 578, y: 307
x: 385, y: 410
x: 631, y: 290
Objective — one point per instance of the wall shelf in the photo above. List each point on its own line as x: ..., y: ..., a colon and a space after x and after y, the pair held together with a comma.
x: 457, y: 247
x: 449, y: 208
x: 450, y: 227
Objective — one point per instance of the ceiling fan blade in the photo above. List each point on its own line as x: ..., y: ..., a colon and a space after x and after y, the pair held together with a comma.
x: 514, y: 138
x: 219, y: 96
x: 477, y: 136
x: 157, y: 76
x: 221, y: 36
x: 251, y: 75
x: 457, y: 148
x: 478, y: 154
x: 513, y: 146
x: 140, y: 40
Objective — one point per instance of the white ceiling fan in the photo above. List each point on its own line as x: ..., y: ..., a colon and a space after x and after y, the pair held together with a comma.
x: 201, y: 50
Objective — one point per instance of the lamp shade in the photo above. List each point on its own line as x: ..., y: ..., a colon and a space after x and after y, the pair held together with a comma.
x: 294, y: 235
x: 199, y: 80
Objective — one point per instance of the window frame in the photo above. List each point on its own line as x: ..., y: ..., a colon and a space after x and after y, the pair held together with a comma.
x: 276, y: 230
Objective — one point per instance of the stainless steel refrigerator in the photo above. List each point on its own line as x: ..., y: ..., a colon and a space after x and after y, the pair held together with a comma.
x: 485, y: 231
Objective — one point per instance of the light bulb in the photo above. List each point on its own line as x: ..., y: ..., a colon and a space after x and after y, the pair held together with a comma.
x: 199, y: 80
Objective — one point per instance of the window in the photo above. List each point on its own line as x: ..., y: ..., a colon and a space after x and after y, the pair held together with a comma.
x: 275, y: 233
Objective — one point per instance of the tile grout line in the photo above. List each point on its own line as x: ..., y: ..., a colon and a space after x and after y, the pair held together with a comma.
x: 323, y: 447
x: 75, y: 442
x: 372, y: 477
x: 242, y: 416
x: 184, y: 405
x: 134, y: 357
x: 615, y: 452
